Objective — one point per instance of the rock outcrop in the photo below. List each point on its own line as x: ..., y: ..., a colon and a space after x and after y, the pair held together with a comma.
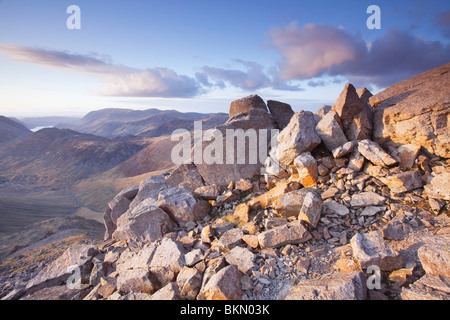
x: 281, y: 113
x: 316, y: 229
x: 239, y: 158
x: 299, y: 136
x: 354, y: 114
x: 415, y: 111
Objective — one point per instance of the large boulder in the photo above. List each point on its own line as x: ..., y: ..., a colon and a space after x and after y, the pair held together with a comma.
x: 182, y: 205
x: 291, y: 233
x: 149, y: 189
x: 185, y: 176
x: 281, y: 113
x: 415, y: 111
x: 75, y: 262
x: 438, y: 188
x: 332, y: 286
x: 224, y: 285
x: 145, y: 223
x: 330, y: 130
x: 244, y: 105
x: 428, y: 287
x: 354, y: 114
x: 371, y: 249
x: 375, y: 154
x: 291, y: 203
x: 248, y: 137
x: 435, y: 256
x: 136, y: 280
x: 299, y: 136
x: 117, y: 207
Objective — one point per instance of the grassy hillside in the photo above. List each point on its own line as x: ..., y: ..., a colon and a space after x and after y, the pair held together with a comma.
x: 18, y: 209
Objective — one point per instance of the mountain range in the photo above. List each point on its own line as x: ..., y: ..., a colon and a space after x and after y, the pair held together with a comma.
x: 11, y: 130
x: 76, y: 166
x: 112, y: 123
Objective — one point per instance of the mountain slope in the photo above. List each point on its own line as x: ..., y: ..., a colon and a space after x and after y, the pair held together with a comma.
x: 61, y: 157
x: 147, y: 123
x: 11, y: 130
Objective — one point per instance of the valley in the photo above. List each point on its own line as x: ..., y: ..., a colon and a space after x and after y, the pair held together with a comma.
x: 59, y: 172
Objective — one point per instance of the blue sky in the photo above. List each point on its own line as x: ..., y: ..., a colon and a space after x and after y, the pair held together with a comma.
x: 200, y: 55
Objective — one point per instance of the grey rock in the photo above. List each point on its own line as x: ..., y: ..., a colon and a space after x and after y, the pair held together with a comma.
x: 194, y: 256
x: 76, y: 258
x: 231, y: 238
x: 354, y: 114
x: 299, y: 136
x: 332, y: 206
x: 403, y: 182
x: 291, y: 233
x: 185, y: 176
x: 189, y: 281
x: 322, y: 112
x: 332, y: 286
x: 245, y: 157
x: 372, y: 210
x: 429, y: 287
x: 182, y: 205
x: 117, y: 208
x: 289, y: 204
x: 168, y: 292
x: 330, y: 131
x: 242, y: 258
x: 311, y: 209
x: 169, y: 254
x: 435, y: 256
x: 281, y: 113
x: 344, y: 149
x: 371, y: 249
x: 356, y: 161
x: 144, y: 223
x: 129, y: 192
x: 415, y: 111
x: 224, y: 285
x: 207, y: 192
x: 244, y: 105
x: 366, y: 199
x: 438, y: 187
x: 149, y: 189
x: 136, y: 280
x: 397, y: 228
x: 375, y: 154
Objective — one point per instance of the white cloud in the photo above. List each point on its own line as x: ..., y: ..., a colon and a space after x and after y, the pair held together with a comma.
x: 118, y: 80
x: 313, y: 49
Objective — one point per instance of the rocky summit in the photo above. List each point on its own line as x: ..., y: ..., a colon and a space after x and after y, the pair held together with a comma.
x: 350, y: 204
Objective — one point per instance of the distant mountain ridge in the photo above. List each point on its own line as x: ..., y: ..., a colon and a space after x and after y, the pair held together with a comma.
x: 53, y: 155
x: 11, y: 130
x: 113, y: 122
x: 34, y: 122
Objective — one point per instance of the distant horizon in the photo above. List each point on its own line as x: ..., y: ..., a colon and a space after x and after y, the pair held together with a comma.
x: 68, y: 58
x: 311, y: 107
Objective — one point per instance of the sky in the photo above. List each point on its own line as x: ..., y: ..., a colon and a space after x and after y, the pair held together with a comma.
x: 198, y: 56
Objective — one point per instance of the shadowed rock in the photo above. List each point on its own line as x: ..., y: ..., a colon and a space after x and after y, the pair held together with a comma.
x: 281, y: 113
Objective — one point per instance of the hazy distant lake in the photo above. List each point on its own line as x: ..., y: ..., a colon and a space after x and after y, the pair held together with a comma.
x: 40, y: 127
